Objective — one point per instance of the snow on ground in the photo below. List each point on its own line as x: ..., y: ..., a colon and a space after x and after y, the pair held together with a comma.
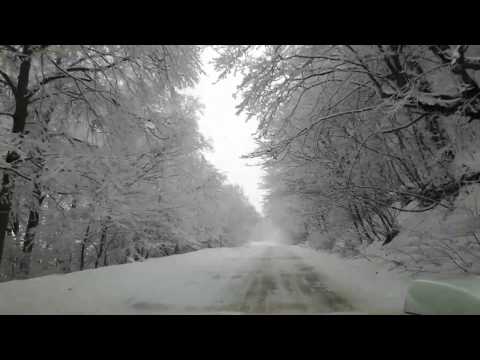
x: 437, y: 242
x: 156, y: 285
x: 252, y: 278
x: 370, y: 286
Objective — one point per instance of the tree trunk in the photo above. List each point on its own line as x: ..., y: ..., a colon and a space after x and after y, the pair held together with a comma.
x: 105, y: 258
x: 103, y: 239
x: 70, y: 258
x: 19, y: 120
x: 82, y: 249
x: 33, y: 220
x: 13, y: 226
x: 32, y: 224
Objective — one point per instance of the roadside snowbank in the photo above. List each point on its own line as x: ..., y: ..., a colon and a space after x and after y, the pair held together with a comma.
x: 177, y: 283
x: 369, y: 285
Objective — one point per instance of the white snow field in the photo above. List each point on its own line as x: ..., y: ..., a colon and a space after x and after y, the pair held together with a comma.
x: 255, y: 279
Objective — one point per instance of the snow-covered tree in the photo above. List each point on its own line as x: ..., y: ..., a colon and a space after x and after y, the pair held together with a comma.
x: 101, y: 156
x: 357, y: 133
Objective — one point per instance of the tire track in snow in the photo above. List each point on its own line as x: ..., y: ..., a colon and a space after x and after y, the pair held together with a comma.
x: 281, y: 282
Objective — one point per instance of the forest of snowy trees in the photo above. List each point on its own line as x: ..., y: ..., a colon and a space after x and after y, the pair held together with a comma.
x: 101, y: 156
x: 355, y: 137
x: 101, y: 160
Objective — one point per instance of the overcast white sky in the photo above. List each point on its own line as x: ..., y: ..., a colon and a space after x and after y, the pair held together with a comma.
x: 229, y: 134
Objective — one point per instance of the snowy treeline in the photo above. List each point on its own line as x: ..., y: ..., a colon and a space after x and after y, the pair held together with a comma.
x: 101, y: 159
x: 359, y: 141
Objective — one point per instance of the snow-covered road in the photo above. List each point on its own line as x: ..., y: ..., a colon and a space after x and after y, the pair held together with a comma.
x: 254, y: 279
x: 278, y: 280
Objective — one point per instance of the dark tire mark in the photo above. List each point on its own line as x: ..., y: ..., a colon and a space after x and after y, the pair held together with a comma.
x: 304, y: 285
x: 273, y: 284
